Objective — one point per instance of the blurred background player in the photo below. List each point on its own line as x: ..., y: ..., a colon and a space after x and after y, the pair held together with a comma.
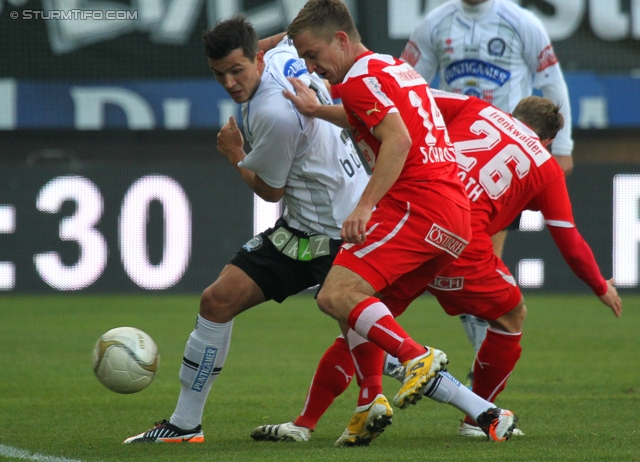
x: 478, y: 282
x: 310, y: 164
x: 499, y: 52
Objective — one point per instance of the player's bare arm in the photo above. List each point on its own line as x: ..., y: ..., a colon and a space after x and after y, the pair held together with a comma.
x: 231, y: 145
x: 566, y: 164
x: 268, y: 43
x: 306, y: 102
x: 612, y: 299
x: 396, y: 142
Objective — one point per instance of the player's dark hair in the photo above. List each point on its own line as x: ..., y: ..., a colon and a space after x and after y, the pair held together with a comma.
x: 541, y: 114
x: 230, y: 35
x: 324, y: 18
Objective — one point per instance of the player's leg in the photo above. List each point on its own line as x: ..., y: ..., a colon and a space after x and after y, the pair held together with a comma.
x: 481, y: 285
x: 495, y: 362
x: 499, y: 353
x: 476, y: 328
x: 397, y: 244
x: 204, y: 355
x: 373, y: 412
x: 444, y: 388
x: 332, y: 377
x: 497, y: 424
x: 348, y: 297
x: 208, y: 345
x: 259, y: 271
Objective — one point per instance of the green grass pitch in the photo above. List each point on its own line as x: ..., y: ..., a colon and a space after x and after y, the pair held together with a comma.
x: 575, y: 388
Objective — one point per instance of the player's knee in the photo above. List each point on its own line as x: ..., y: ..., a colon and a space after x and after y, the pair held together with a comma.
x: 215, y: 305
x: 520, y: 313
x: 515, y: 318
x: 325, y: 301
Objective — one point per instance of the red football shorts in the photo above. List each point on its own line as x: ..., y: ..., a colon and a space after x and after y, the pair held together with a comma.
x: 477, y: 283
x: 410, y: 228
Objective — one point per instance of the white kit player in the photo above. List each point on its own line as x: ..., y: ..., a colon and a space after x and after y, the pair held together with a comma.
x: 499, y: 52
x: 493, y: 50
x: 310, y: 164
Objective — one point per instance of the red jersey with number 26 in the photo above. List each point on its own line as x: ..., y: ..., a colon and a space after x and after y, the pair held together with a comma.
x: 505, y: 169
x: 503, y: 165
x: 377, y: 85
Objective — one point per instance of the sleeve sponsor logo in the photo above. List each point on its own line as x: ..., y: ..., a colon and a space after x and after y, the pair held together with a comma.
x: 376, y: 90
x: 367, y: 153
x: 476, y: 68
x: 487, y: 95
x: 547, y: 58
x: 411, y: 53
x: 405, y: 75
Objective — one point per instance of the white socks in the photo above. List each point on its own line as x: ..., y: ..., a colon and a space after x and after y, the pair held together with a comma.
x: 444, y: 388
x: 476, y: 330
x: 204, y: 356
x: 393, y: 368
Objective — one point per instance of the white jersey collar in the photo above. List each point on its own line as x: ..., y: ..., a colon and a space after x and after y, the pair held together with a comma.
x: 476, y: 11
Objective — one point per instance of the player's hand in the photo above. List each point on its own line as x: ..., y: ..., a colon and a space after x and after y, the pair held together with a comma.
x: 566, y: 164
x: 611, y: 299
x: 354, y: 228
x: 304, y: 99
x: 231, y: 142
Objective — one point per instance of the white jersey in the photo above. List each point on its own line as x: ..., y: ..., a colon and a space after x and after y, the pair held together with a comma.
x: 315, y: 161
x: 496, y: 51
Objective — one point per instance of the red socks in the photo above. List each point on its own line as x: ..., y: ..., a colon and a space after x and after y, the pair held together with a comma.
x: 372, y: 320
x: 369, y: 361
x: 333, y: 376
x: 494, y: 363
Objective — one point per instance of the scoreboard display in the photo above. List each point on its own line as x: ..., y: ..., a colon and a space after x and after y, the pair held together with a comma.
x: 155, y: 223
x: 111, y: 227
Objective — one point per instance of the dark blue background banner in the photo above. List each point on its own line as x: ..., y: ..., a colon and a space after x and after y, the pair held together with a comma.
x: 597, y: 102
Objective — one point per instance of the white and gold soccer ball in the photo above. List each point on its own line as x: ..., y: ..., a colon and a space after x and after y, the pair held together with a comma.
x: 125, y: 359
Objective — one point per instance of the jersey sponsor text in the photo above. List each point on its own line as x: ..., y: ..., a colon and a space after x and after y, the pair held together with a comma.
x: 476, y: 68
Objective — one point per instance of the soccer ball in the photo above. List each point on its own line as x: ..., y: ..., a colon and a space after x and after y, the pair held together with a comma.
x: 125, y: 359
